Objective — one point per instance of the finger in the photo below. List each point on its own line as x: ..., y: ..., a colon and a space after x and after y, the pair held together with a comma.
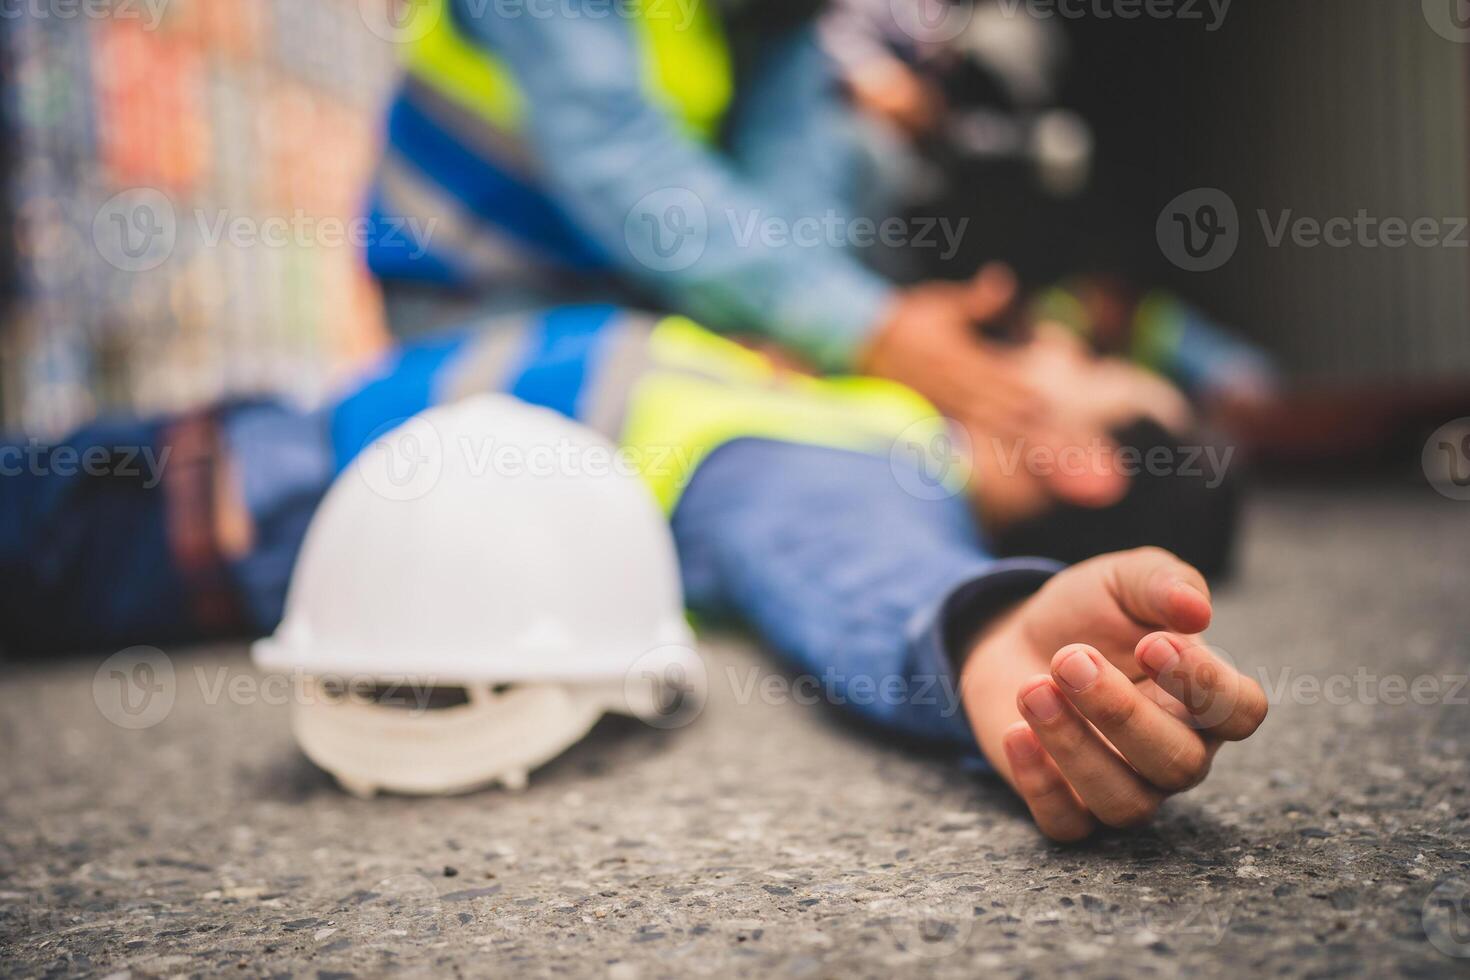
x: 991, y: 292
x: 1167, y: 405
x: 1158, y: 589
x: 1163, y: 698
x: 1219, y: 699
x: 1108, y: 787
x: 991, y: 375
x: 1164, y: 750
x: 1126, y: 391
x: 970, y: 371
x: 1055, y: 336
x: 994, y: 413
x: 1054, y: 806
x: 1005, y: 429
x: 1005, y: 401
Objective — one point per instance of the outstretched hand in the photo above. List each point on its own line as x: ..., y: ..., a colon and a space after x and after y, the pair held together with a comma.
x: 1096, y: 699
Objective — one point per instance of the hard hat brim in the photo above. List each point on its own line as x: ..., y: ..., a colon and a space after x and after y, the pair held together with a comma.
x: 494, y: 738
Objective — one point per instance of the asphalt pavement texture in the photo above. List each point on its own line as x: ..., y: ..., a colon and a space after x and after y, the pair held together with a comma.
x: 771, y: 838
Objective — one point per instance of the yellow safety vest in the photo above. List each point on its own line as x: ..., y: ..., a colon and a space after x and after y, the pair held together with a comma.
x: 702, y: 391
x: 684, y: 392
x: 686, y: 64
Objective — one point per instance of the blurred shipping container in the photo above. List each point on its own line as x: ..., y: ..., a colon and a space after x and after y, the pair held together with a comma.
x: 178, y: 190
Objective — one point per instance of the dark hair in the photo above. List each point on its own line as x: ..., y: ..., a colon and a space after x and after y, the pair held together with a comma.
x: 1190, y: 507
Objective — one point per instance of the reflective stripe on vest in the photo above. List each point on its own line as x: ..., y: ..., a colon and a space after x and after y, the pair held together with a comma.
x: 701, y: 391
x: 670, y: 392
x: 687, y: 70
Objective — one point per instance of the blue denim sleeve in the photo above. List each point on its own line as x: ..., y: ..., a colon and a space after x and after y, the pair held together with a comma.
x: 871, y: 593
x: 793, y: 135
x: 674, y: 215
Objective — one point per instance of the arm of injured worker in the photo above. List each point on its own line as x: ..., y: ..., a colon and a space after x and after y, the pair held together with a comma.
x: 869, y: 593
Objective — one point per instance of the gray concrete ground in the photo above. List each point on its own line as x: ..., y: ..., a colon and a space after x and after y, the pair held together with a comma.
x: 768, y: 839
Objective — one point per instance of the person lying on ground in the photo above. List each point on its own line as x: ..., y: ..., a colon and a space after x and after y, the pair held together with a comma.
x: 798, y: 511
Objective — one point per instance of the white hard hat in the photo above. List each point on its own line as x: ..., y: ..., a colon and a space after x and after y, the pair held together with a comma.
x: 498, y: 549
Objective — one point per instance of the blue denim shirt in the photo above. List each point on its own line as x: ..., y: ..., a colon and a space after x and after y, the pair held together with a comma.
x: 610, y: 155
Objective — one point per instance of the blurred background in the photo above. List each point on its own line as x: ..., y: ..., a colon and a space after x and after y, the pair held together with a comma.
x: 239, y: 108
x: 272, y: 108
